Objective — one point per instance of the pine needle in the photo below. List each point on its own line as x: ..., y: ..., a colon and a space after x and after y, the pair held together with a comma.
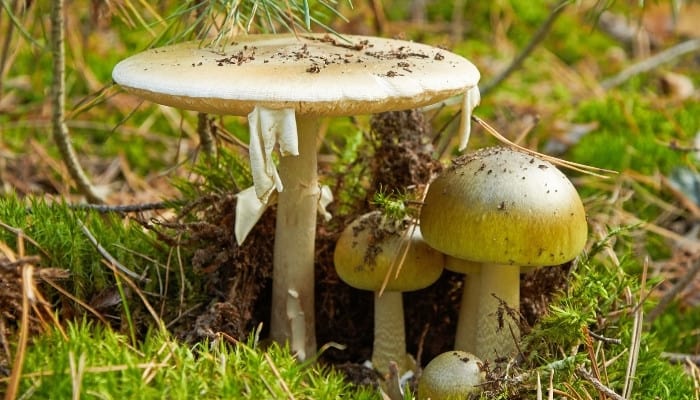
x: 583, y: 168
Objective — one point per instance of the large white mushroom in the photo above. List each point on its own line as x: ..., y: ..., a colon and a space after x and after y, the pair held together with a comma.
x: 286, y: 84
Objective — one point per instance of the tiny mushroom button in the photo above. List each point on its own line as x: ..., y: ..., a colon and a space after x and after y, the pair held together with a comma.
x: 286, y: 84
x: 507, y: 210
x: 453, y: 375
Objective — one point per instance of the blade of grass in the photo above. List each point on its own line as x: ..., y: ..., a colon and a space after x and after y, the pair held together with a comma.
x: 18, y: 24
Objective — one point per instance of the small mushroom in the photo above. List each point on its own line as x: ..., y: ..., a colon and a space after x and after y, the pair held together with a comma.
x: 370, y: 250
x: 453, y: 375
x: 504, y: 209
x: 286, y: 84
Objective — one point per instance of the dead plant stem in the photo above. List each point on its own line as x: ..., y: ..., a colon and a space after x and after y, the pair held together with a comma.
x: 673, y: 292
x: 597, y: 384
x: 58, y: 99
x: 652, y: 62
x: 529, y: 48
x: 206, y: 137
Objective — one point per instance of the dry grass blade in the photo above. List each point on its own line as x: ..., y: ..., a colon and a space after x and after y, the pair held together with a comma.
x: 31, y: 299
x: 671, y: 294
x: 75, y: 299
x: 76, y: 373
x: 15, y: 376
x: 139, y: 292
x: 591, y: 356
x: 636, y: 339
x: 94, y: 370
x: 113, y: 261
x: 400, y: 257
x: 277, y: 374
x: 586, y: 169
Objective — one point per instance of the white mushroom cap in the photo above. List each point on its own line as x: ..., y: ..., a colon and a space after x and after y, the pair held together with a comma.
x: 313, y: 74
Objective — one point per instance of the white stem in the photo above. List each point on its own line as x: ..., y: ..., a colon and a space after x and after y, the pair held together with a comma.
x: 293, y: 317
x: 465, y: 338
x: 495, y: 326
x: 389, y: 333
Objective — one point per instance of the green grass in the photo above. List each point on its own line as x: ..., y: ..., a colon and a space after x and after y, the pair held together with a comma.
x: 57, y: 236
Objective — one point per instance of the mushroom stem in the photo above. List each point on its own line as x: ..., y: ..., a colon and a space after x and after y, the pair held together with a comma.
x: 293, y: 319
x: 499, y: 283
x: 465, y: 337
x: 389, y: 332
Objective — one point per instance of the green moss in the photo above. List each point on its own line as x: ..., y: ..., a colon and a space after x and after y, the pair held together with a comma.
x: 597, y: 300
x: 99, y: 363
x: 57, y: 230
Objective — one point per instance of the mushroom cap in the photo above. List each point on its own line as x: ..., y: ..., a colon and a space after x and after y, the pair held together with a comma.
x: 502, y: 206
x: 451, y: 375
x: 313, y: 74
x: 372, y: 244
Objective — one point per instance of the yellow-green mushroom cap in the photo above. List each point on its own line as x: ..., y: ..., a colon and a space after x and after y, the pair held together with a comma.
x: 502, y: 206
x: 452, y: 375
x: 372, y: 244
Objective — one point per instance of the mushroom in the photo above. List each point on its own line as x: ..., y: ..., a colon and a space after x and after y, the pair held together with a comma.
x: 370, y: 250
x: 286, y: 84
x: 504, y: 209
x: 452, y: 375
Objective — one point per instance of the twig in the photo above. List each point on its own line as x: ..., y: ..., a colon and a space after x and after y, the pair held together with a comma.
x: 597, y: 384
x: 673, y: 292
x: 604, y: 339
x: 20, y: 262
x: 524, y: 53
x: 124, y: 208
x: 58, y: 100
x: 678, y: 358
x: 126, y: 271
x: 4, y: 52
x: 421, y: 343
x: 652, y: 62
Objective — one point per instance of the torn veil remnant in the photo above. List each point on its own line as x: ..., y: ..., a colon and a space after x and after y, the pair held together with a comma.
x: 286, y: 84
